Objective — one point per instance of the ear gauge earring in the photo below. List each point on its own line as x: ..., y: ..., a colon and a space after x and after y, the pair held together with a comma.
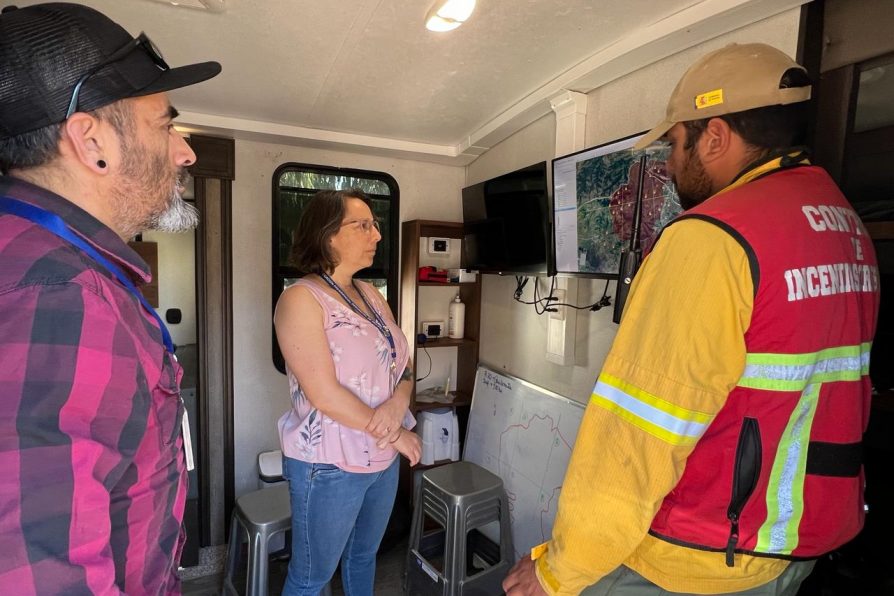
x: 101, y: 163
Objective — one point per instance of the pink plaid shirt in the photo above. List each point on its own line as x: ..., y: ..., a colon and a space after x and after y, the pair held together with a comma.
x: 94, y: 483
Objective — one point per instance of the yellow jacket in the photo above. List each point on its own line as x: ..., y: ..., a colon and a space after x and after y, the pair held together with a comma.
x: 681, y: 349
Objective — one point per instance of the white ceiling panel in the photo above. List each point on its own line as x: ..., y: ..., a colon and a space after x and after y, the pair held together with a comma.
x: 370, y: 68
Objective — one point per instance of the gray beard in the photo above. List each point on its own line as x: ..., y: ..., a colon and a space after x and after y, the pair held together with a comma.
x: 180, y: 216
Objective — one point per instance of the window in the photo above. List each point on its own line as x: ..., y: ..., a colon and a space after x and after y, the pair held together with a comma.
x: 294, y: 185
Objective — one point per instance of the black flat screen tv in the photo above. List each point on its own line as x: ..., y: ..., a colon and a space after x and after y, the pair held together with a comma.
x: 507, y: 224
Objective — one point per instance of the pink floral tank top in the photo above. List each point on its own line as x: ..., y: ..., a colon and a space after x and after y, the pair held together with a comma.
x: 362, y: 358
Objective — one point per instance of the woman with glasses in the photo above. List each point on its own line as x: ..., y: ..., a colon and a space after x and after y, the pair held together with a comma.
x: 350, y: 381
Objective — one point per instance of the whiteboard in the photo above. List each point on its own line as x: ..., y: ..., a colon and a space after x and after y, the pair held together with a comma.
x: 524, y: 434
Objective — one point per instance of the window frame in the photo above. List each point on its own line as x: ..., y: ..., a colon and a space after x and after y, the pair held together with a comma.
x: 280, y: 274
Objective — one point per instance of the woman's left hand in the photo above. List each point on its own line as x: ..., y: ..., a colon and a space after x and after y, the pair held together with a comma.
x: 387, y: 419
x: 409, y: 445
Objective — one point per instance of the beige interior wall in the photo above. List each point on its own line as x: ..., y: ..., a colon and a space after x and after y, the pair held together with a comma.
x: 852, y: 37
x: 513, y: 336
x: 427, y: 191
x: 532, y: 144
x: 637, y: 102
x: 176, y: 276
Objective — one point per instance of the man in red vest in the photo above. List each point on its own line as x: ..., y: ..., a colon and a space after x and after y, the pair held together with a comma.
x: 720, y: 452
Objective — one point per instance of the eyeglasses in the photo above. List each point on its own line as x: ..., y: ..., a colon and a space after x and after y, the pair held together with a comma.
x: 141, y: 42
x: 364, y: 224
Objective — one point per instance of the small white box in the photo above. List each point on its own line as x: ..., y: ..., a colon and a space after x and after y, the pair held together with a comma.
x: 439, y: 431
x: 270, y: 469
x: 462, y: 275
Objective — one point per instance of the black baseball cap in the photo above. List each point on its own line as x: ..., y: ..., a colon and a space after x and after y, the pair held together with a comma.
x: 47, y: 50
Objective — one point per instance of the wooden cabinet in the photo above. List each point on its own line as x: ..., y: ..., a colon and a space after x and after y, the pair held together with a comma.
x: 413, y: 298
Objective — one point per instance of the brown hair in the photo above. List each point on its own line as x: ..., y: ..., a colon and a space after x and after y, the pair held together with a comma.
x: 320, y: 220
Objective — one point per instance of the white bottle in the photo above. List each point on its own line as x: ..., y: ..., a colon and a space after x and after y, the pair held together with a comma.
x: 456, y: 322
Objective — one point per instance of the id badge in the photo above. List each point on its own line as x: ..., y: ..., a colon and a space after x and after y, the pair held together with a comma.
x: 187, y: 442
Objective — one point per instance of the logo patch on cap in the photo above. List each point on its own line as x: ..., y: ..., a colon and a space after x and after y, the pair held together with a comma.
x: 711, y: 98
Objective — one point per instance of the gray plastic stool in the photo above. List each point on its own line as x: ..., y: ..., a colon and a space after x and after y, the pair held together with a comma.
x: 260, y: 514
x: 462, y: 498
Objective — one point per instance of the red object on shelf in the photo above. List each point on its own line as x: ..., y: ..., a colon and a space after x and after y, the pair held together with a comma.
x: 430, y: 273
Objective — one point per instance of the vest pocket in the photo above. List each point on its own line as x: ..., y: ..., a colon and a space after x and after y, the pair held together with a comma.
x: 745, y: 475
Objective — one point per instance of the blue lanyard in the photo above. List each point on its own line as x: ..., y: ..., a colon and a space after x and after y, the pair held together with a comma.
x: 376, y: 320
x: 53, y: 223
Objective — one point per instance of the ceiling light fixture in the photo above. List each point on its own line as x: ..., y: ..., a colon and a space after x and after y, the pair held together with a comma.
x: 209, y: 5
x: 447, y: 15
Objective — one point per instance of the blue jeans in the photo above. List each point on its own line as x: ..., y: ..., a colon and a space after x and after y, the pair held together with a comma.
x: 336, y: 515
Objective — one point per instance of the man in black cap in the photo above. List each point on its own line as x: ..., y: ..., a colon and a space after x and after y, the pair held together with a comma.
x: 94, y: 481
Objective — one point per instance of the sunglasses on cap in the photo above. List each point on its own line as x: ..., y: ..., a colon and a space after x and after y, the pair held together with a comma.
x: 140, y: 42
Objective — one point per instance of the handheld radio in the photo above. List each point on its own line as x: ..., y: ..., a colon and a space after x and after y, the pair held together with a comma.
x: 631, y: 257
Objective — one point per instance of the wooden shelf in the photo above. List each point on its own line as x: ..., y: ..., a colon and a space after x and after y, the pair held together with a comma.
x: 445, y: 284
x: 445, y: 342
x: 466, y: 358
x: 459, y: 399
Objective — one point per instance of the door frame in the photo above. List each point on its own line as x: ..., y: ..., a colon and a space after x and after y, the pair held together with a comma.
x: 214, y: 173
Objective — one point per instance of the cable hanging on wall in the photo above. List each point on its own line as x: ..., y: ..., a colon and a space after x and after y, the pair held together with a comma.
x: 550, y: 303
x: 422, y: 338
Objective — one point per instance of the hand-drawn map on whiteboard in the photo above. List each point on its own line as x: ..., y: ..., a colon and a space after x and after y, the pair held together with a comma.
x: 524, y: 435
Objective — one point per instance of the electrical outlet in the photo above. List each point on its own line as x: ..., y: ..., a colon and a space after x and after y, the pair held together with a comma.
x: 433, y: 329
x: 438, y: 246
x: 559, y: 296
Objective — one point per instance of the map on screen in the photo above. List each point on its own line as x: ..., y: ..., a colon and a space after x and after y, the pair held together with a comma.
x: 595, y: 195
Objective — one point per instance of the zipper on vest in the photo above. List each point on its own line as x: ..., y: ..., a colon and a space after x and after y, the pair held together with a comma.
x: 733, y: 540
x: 745, y: 475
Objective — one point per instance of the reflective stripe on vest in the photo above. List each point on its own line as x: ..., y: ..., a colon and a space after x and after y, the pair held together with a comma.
x: 805, y: 373
x: 793, y: 372
x: 660, y: 418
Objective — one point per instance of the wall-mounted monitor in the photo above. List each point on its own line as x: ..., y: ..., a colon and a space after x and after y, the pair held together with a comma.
x: 507, y: 227
x: 594, y: 198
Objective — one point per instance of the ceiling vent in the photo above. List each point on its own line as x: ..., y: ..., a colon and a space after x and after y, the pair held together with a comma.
x: 209, y: 5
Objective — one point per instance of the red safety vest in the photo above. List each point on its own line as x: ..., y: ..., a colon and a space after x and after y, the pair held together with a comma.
x: 778, y: 472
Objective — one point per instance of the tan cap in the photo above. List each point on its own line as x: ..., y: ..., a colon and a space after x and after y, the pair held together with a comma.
x: 733, y: 79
